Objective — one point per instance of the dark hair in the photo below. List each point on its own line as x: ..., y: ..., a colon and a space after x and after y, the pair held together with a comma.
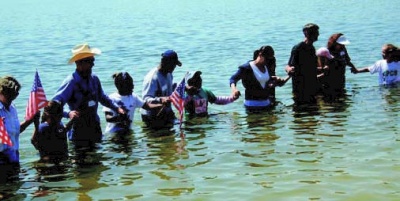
x: 51, y: 110
x: 332, y: 41
x: 268, y: 52
x: 392, y: 50
x: 124, y: 82
x: 9, y: 86
x: 310, y: 27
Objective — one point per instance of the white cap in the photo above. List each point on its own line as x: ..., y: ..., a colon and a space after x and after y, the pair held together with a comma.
x: 343, y: 40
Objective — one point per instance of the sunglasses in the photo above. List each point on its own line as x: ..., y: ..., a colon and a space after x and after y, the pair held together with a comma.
x: 88, y: 61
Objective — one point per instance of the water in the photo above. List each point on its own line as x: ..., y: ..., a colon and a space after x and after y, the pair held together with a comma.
x: 338, y: 151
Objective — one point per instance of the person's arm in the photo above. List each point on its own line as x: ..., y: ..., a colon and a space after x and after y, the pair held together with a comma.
x: 26, y: 123
x: 360, y: 70
x: 64, y: 93
x: 34, y: 138
x: 232, y: 82
x: 293, y: 61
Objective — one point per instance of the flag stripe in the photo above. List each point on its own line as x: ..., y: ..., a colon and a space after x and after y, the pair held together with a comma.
x: 178, y: 99
x: 37, y: 98
x: 4, y: 137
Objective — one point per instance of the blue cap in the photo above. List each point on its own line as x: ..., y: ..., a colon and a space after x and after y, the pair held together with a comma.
x: 171, y: 54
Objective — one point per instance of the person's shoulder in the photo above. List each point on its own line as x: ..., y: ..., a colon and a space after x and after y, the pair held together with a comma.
x: 43, y: 126
x: 245, y: 65
x: 114, y: 95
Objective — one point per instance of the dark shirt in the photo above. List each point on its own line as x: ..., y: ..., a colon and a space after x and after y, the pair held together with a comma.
x: 304, y: 80
x: 52, y: 141
x: 253, y: 88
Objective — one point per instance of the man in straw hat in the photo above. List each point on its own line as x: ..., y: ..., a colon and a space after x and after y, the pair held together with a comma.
x: 157, y: 87
x: 82, y: 92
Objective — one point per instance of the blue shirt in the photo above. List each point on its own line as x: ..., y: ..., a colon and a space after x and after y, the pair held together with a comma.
x: 72, y: 92
x: 12, y: 126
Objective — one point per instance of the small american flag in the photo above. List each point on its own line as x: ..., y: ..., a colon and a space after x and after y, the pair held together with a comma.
x: 4, y: 137
x: 37, y: 98
x: 178, y: 99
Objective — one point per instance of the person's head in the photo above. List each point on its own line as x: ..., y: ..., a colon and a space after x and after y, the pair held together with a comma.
x: 266, y: 54
x: 311, y: 32
x: 53, y: 112
x: 195, y: 80
x: 9, y: 89
x: 169, y: 61
x: 337, y: 42
x: 389, y: 52
x: 124, y: 83
x: 83, y: 56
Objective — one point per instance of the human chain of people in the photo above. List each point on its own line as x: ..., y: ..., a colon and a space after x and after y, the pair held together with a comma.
x: 313, y: 72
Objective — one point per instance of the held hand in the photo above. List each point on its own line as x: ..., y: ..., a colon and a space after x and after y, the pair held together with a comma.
x: 354, y: 70
x: 36, y: 119
x: 121, y: 110
x: 236, y: 94
x: 290, y: 70
x: 73, y: 114
x: 165, y: 100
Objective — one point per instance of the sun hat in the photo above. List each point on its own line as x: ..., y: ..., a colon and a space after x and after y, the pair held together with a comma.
x: 343, y: 40
x: 324, y: 52
x: 172, y: 55
x: 83, y: 51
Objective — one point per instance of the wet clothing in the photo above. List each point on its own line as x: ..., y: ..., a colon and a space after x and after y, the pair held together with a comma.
x: 389, y: 73
x: 84, y: 95
x: 129, y: 103
x: 257, y: 92
x: 52, y: 141
x: 197, y: 105
x: 335, y: 78
x: 304, y: 80
x: 156, y: 85
x: 10, y: 155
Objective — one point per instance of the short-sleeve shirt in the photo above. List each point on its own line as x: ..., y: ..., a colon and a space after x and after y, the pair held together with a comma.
x: 129, y: 103
x: 389, y: 73
x: 12, y: 127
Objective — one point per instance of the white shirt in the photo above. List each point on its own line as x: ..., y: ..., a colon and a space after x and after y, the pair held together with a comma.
x: 261, y: 77
x: 130, y: 103
x: 389, y: 73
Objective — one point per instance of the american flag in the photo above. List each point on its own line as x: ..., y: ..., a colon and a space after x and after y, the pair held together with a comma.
x: 37, y: 98
x: 178, y: 98
x: 4, y: 137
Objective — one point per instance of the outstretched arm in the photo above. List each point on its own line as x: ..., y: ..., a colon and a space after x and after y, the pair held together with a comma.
x: 359, y: 70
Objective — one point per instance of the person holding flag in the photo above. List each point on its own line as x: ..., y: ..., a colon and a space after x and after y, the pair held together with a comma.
x: 10, y: 127
x: 157, y: 88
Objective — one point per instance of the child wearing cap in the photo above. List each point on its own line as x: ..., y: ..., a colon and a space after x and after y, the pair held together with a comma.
x: 126, y: 99
x: 196, y: 104
x: 387, y: 68
x: 50, y: 138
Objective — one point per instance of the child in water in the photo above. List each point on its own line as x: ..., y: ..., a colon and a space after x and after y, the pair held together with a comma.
x: 196, y: 104
x: 50, y: 138
x: 126, y: 99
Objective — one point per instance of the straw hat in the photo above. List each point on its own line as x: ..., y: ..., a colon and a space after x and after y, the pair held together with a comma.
x: 83, y: 51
